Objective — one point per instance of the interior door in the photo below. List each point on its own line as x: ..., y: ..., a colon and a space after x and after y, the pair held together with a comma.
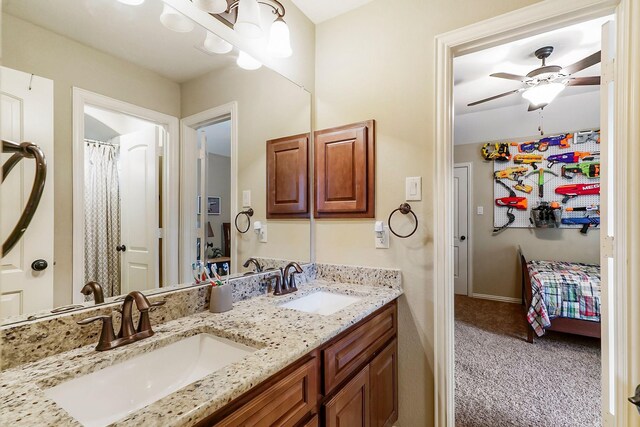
x: 460, y: 229
x: 139, y: 209
x: 27, y: 115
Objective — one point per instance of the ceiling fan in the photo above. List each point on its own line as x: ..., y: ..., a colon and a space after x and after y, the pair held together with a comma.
x: 543, y: 84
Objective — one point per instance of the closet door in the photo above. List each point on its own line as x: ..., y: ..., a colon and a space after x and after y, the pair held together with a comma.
x: 139, y: 210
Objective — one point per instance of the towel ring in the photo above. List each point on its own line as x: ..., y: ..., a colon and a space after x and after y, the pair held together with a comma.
x: 404, y: 209
x: 248, y: 213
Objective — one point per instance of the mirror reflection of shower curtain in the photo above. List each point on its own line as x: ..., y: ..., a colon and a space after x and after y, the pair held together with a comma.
x: 102, y: 217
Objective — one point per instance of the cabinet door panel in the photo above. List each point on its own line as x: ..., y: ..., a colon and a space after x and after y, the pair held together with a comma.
x: 344, y: 171
x: 288, y: 177
x: 384, y: 386
x: 350, y: 406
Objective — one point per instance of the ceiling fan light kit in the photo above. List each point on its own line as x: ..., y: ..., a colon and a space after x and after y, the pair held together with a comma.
x: 543, y: 84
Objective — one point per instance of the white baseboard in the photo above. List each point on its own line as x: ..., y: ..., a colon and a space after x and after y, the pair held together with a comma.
x: 497, y: 298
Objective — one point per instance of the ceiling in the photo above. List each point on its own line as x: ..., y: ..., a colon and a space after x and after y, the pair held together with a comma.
x: 133, y: 33
x: 471, y: 72
x: 322, y: 10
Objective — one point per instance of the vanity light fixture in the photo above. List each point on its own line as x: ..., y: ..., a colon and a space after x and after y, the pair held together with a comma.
x: 248, y: 62
x: 543, y: 93
x: 132, y: 2
x: 175, y: 21
x: 248, y: 20
x: 280, y: 39
x: 215, y: 44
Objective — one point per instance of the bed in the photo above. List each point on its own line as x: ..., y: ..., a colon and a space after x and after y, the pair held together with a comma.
x: 560, y: 296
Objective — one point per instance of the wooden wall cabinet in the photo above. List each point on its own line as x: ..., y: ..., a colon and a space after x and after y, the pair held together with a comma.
x: 288, y: 177
x: 351, y: 381
x: 344, y: 171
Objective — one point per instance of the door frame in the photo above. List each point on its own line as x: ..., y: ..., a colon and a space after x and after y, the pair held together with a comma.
x: 540, y: 17
x: 170, y: 204
x: 469, y: 167
x: 187, y: 207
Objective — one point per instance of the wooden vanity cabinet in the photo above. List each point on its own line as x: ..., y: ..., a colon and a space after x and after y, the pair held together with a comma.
x: 350, y: 381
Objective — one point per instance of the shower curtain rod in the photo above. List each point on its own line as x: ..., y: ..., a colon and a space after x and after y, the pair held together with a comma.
x: 95, y: 141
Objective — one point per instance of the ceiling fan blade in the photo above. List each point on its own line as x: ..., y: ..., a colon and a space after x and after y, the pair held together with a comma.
x: 582, y: 64
x: 536, y: 107
x: 494, y: 97
x: 510, y: 76
x: 584, y: 81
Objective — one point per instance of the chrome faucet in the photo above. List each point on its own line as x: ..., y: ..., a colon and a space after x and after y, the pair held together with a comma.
x: 128, y: 333
x: 95, y: 289
x: 258, y: 267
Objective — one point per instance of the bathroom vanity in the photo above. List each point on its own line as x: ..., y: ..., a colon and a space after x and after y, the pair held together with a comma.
x: 325, y: 355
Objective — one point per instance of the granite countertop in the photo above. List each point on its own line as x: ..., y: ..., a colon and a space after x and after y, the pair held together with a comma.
x: 281, y: 335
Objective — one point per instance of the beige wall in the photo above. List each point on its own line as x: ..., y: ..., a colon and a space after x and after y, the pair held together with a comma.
x: 32, y: 49
x: 496, y: 268
x: 269, y: 106
x: 219, y: 184
x: 378, y: 62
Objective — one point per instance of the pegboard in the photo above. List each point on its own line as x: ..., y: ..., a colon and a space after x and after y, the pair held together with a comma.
x: 581, y: 142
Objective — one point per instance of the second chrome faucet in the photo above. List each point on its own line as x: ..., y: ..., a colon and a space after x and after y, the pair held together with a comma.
x: 128, y: 333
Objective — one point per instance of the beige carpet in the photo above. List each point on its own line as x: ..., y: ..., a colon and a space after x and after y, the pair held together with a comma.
x: 501, y: 380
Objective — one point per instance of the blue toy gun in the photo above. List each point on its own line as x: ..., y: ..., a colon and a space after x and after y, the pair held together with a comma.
x: 563, y: 141
x: 585, y: 221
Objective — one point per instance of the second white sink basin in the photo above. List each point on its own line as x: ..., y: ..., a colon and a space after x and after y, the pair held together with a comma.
x: 102, y: 397
x: 321, y: 302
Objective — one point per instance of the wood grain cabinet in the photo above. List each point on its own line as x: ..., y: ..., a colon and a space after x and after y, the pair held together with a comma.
x: 288, y: 177
x: 344, y: 171
x: 352, y: 381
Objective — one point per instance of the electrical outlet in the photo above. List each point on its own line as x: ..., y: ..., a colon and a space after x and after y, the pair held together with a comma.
x: 246, y: 198
x: 263, y: 234
x: 382, y: 238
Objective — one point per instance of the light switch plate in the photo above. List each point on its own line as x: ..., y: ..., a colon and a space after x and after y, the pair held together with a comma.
x: 480, y: 210
x: 263, y: 233
x: 382, y: 238
x: 413, y: 191
x: 246, y: 198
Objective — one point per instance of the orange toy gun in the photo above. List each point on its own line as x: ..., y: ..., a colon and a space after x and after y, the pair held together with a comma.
x: 515, y: 174
x: 528, y: 159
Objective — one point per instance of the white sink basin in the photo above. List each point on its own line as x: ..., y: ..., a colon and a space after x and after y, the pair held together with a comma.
x: 105, y: 396
x: 321, y: 302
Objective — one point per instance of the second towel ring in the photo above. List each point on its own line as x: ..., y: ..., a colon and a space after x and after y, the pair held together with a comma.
x: 404, y: 209
x: 249, y: 214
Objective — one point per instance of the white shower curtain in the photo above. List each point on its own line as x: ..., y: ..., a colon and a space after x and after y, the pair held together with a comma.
x: 102, y: 217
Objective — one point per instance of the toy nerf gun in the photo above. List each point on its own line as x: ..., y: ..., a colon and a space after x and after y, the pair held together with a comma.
x: 573, y: 157
x: 511, y: 202
x: 562, y: 141
x: 498, y: 151
x: 588, y: 169
x: 515, y: 174
x: 588, y: 136
x: 590, y: 208
x: 528, y: 159
x: 586, y: 222
x: 574, y: 190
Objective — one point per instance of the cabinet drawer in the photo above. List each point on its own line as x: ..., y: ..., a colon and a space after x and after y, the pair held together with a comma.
x: 348, y: 353
x: 285, y: 403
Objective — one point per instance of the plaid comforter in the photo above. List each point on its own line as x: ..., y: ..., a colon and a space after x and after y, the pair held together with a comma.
x: 563, y: 289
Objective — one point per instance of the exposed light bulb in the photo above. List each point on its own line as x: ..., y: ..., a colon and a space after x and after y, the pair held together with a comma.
x: 543, y: 93
x: 280, y: 39
x: 132, y: 2
x: 175, y: 21
x: 215, y: 44
x: 248, y: 21
x: 248, y: 62
x: 212, y: 6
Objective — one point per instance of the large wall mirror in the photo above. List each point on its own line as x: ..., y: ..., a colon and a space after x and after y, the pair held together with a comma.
x: 155, y: 145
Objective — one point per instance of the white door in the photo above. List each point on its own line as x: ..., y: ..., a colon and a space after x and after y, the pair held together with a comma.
x: 27, y: 115
x: 460, y: 229
x: 139, y: 202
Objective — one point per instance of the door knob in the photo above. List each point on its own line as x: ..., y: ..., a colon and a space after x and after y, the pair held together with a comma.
x: 121, y: 248
x: 39, y: 265
x: 636, y: 398
x: 463, y: 238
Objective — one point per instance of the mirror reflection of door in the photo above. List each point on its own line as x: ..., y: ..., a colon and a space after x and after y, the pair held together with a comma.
x: 214, y: 194
x: 122, y: 201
